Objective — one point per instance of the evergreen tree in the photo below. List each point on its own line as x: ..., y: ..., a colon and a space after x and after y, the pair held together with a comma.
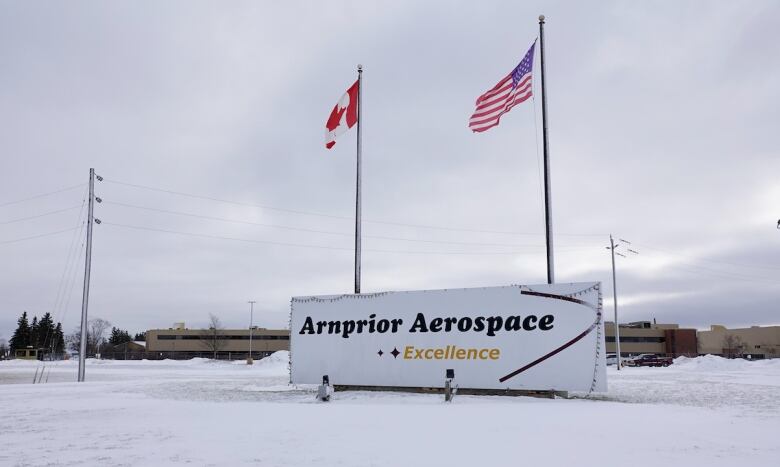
x: 58, y: 343
x: 34, y: 333
x: 21, y: 337
x: 46, y: 332
x: 140, y: 336
x: 119, y: 336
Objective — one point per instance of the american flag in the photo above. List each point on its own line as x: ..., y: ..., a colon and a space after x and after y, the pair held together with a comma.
x: 515, y: 88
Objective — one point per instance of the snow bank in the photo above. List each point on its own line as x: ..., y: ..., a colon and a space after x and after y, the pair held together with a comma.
x: 205, y: 412
x: 197, y: 361
x: 18, y: 362
x: 275, y: 364
x: 716, y: 363
x: 278, y: 359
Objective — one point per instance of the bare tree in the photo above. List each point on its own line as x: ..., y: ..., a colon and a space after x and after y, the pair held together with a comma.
x: 3, y: 349
x: 212, y: 338
x: 73, y: 340
x: 732, y: 346
x: 96, y: 332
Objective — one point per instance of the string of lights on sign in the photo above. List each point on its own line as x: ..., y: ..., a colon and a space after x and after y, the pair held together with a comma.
x: 598, y: 324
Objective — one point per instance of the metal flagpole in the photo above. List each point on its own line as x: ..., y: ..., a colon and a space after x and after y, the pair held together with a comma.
x: 546, y: 143
x: 87, y: 268
x: 357, y: 193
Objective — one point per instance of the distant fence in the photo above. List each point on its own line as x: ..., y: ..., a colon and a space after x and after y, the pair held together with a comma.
x: 129, y: 355
x: 48, y: 357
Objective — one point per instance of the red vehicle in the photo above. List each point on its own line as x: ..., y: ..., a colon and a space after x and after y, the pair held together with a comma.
x: 650, y: 360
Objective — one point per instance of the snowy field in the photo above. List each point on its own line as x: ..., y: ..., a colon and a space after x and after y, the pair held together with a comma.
x: 704, y: 411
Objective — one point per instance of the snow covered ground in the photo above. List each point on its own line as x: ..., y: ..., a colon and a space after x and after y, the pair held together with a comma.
x: 704, y: 411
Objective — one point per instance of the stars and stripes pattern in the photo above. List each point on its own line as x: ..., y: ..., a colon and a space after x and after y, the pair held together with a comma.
x: 515, y: 88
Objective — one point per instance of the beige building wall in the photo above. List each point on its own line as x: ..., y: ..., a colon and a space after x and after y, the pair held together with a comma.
x: 648, y: 337
x: 232, y: 340
x: 635, y: 340
x: 755, y: 340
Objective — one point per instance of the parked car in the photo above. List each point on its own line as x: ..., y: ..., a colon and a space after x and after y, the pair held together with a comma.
x: 649, y: 360
x: 629, y: 361
x: 611, y: 359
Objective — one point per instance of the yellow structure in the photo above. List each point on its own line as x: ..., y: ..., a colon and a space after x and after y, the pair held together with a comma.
x: 26, y: 354
x: 755, y: 341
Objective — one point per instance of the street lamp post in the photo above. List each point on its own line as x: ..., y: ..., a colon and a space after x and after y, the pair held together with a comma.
x: 249, y: 360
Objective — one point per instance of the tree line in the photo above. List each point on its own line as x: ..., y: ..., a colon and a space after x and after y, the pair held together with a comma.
x: 47, y: 336
x: 40, y: 334
x: 97, y: 328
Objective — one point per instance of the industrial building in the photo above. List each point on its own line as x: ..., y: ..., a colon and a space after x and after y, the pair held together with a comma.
x: 753, y: 342
x: 180, y: 342
x: 641, y: 337
x: 648, y: 337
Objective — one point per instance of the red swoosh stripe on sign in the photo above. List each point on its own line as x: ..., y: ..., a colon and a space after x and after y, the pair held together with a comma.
x: 564, y: 346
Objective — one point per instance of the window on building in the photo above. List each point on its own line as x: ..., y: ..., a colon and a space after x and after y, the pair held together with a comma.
x: 636, y: 339
x: 241, y: 337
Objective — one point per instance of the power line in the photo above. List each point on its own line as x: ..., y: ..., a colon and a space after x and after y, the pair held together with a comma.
x: 424, y: 226
x: 728, y: 263
x: 227, y: 201
x: 691, y: 268
x: 59, y: 315
x: 42, y: 195
x: 68, y: 265
x: 331, y: 216
x: 20, y: 219
x: 328, y: 232
x: 302, y: 245
x: 727, y: 274
x: 37, y: 236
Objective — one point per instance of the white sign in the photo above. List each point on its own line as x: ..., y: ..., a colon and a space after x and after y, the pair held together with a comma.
x: 537, y: 337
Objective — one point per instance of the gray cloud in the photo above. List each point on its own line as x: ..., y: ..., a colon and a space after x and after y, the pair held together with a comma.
x: 662, y: 126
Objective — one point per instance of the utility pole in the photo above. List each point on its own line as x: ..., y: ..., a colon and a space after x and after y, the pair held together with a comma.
x: 612, y: 246
x: 546, y: 146
x: 87, y: 270
x: 249, y: 360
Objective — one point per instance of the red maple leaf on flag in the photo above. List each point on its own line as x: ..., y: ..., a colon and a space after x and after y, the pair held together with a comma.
x: 343, y: 117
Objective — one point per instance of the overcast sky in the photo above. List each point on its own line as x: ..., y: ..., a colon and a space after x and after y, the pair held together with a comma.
x: 663, y: 124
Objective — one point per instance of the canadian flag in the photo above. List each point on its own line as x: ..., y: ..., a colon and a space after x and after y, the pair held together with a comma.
x: 343, y: 117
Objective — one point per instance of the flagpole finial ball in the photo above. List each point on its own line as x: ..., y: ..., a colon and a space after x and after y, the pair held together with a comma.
x: 541, y: 18
x: 360, y: 67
